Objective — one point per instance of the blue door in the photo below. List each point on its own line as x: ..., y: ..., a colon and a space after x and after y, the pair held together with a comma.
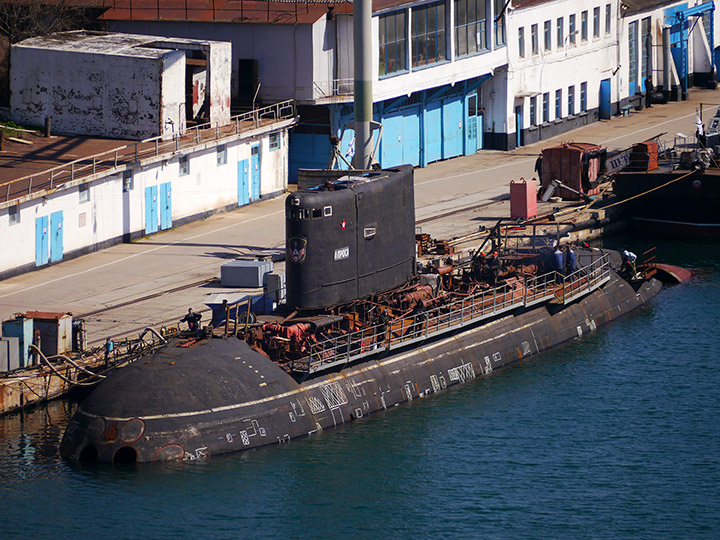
x: 433, y: 132
x: 605, y: 99
x: 41, y: 241
x: 56, y: 236
x: 471, y: 132
x: 518, y: 126
x: 165, y: 206
x: 255, y: 172
x: 243, y: 182
x: 411, y: 136
x: 151, y: 210
x: 391, y: 154
x: 452, y: 127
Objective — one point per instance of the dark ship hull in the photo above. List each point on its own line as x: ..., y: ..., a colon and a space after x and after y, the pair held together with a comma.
x: 362, y: 331
x: 672, y: 201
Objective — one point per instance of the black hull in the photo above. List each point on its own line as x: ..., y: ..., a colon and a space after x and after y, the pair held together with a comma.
x: 221, y: 396
x: 675, y: 202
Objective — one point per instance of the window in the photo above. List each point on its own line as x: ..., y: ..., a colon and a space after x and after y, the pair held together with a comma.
x: 14, y: 214
x: 632, y: 56
x: 84, y: 191
x: 184, y: 165
x: 393, y: 39
x: 499, y: 22
x: 596, y: 22
x: 560, y: 32
x: 546, y: 35
x: 470, y: 27
x: 534, y: 39
x: 274, y: 141
x: 608, y: 17
x: 428, y: 34
x: 558, y: 104
x: 533, y: 111
x: 572, y: 31
x: 583, y: 97
x: 645, y: 48
x: 521, y: 42
x: 546, y: 107
x: 127, y: 181
x: 221, y: 154
x: 584, y: 26
x: 571, y: 100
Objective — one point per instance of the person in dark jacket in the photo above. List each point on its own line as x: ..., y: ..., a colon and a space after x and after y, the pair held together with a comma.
x: 192, y: 319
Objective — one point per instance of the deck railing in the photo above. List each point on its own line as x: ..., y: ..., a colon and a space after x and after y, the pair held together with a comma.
x: 415, y: 327
x: 148, y: 148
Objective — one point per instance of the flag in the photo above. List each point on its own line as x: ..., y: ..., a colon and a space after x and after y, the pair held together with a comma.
x: 350, y: 152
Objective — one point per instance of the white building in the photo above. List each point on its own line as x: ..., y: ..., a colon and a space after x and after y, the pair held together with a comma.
x: 141, y: 188
x: 118, y: 85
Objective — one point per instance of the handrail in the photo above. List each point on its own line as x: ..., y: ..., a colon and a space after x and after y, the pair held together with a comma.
x: 152, y: 147
x: 471, y: 309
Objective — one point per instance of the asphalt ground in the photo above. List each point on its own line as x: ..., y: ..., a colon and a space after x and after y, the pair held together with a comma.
x: 151, y: 282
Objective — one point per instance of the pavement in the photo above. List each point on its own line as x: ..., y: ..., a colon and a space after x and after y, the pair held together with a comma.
x: 151, y: 282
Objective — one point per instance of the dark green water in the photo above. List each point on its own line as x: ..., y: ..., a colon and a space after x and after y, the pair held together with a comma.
x: 615, y: 435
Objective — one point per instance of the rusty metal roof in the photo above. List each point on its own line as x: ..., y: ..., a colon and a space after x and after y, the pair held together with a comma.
x: 237, y: 11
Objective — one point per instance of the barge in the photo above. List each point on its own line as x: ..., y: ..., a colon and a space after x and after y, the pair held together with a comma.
x: 365, y: 327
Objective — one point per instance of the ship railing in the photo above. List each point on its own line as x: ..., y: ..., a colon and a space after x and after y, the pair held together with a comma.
x: 418, y: 327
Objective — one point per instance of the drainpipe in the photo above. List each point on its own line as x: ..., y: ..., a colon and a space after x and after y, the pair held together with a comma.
x: 667, y: 86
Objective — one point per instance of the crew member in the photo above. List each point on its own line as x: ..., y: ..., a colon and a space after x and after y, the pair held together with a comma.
x: 558, y: 264
x: 570, y: 261
x: 192, y: 319
x: 109, y: 346
x: 628, y: 264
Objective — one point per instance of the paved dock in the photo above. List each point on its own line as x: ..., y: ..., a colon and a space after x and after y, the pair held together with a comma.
x: 151, y: 282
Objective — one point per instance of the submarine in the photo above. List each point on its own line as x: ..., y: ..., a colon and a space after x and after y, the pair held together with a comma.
x: 365, y: 327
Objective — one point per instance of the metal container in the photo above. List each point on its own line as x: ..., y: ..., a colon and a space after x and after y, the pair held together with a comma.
x: 9, y: 354
x: 20, y: 327
x: 275, y: 287
x: 55, y: 331
x: 244, y: 273
x: 523, y: 199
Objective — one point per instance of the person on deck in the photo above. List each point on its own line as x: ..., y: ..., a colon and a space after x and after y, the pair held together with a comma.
x: 628, y: 268
x: 558, y: 264
x: 192, y: 319
x: 570, y: 261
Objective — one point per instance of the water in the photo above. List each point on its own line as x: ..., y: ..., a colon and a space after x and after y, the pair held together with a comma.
x: 616, y: 435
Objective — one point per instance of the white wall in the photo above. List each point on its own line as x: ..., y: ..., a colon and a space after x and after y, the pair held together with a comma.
x: 110, y: 213
x: 90, y: 94
x: 564, y: 64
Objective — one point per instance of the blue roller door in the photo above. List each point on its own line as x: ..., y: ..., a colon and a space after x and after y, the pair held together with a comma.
x: 433, y: 132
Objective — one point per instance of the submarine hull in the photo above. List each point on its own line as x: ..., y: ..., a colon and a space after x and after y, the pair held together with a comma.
x: 221, y: 396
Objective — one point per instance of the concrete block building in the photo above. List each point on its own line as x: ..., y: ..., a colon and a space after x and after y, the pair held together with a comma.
x: 125, y: 86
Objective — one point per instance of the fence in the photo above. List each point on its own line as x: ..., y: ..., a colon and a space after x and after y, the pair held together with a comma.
x: 456, y: 314
x: 132, y: 153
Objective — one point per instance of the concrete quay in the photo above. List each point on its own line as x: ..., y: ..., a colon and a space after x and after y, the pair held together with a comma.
x: 151, y: 282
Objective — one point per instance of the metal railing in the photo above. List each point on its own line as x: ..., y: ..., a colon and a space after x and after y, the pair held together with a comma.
x: 411, y: 328
x: 334, y: 88
x: 129, y: 154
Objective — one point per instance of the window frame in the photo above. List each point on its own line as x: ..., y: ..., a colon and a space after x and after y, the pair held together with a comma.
x: 547, y: 37
x: 558, y: 104
x: 560, y: 31
x: 596, y: 22
x: 478, y: 23
x: 400, y: 59
x: 84, y: 192
x: 533, y: 111
x: 572, y: 29
x: 521, y: 42
x: 583, y: 97
x: 274, y: 141
x: 421, y: 33
x: 184, y: 165
x: 584, y: 26
x: 221, y: 154
x: 571, y: 100
x: 546, y: 107
x: 128, y: 181
x: 14, y: 214
x: 534, y: 44
x: 608, y: 19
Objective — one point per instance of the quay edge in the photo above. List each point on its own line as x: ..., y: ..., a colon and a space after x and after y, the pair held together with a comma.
x: 221, y: 396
